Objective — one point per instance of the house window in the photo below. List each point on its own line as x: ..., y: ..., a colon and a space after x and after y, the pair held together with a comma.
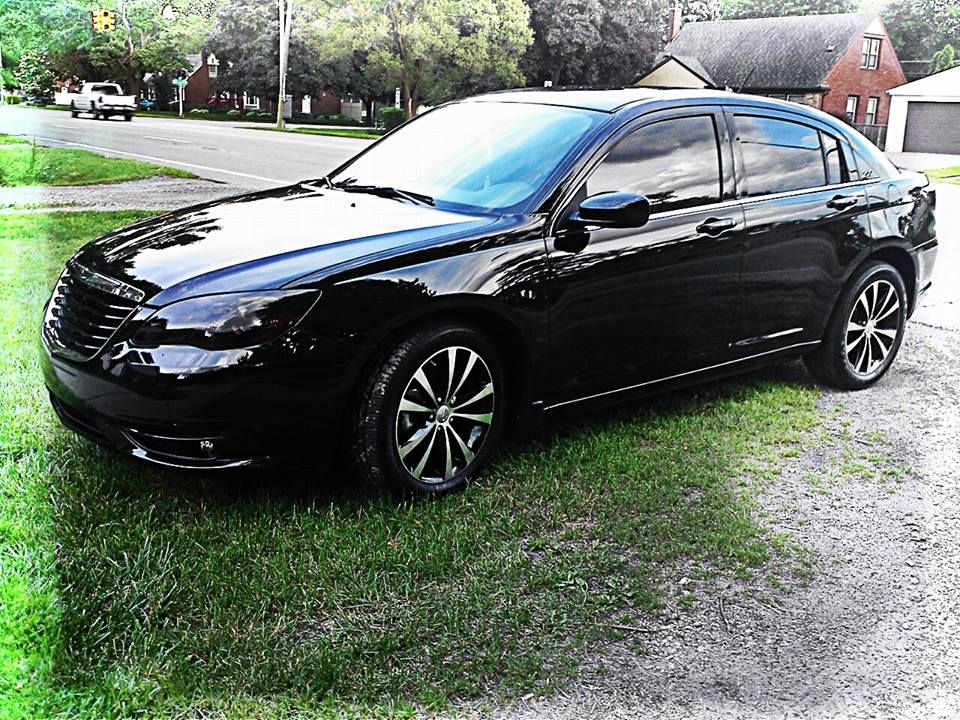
x: 870, y: 53
x: 852, y: 102
x: 251, y: 101
x: 870, y: 117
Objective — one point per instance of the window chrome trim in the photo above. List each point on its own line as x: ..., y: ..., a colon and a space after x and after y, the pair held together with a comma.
x: 637, y: 386
x: 747, y: 200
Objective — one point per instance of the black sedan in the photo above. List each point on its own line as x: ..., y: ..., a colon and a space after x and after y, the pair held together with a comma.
x: 493, y: 260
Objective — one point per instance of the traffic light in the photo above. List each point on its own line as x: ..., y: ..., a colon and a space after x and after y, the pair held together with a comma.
x: 102, y: 21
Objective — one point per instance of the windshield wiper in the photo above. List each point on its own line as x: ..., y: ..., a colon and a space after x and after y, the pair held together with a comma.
x: 387, y: 192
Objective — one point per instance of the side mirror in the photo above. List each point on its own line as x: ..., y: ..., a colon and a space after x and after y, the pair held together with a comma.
x: 614, y: 210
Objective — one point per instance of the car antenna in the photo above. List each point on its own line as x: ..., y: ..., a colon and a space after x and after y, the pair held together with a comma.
x: 747, y: 78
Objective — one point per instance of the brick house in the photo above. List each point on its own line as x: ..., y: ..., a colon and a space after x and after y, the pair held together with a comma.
x: 201, y: 91
x: 843, y: 64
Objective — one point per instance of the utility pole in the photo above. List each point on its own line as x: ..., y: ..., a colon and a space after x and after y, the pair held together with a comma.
x: 285, y: 10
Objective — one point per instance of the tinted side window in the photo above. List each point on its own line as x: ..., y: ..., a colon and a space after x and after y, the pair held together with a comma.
x: 833, y: 155
x: 778, y: 155
x: 675, y: 163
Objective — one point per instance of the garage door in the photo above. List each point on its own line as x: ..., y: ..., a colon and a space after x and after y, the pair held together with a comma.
x: 932, y: 127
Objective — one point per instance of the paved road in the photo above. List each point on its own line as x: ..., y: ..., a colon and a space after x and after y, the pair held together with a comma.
x: 248, y: 158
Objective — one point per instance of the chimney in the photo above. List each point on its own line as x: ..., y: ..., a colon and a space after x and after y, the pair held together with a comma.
x: 676, y: 16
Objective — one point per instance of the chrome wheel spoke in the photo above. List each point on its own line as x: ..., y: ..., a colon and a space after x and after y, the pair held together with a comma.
x: 886, y: 333
x: 418, y: 471
x: 852, y: 346
x: 428, y: 409
x: 421, y: 378
x: 884, y: 307
x: 888, y: 311
x: 417, y: 438
x: 410, y: 406
x: 485, y: 392
x: 485, y: 418
x: 468, y: 454
x: 853, y: 327
x: 448, y: 468
x: 471, y: 361
x: 884, y: 349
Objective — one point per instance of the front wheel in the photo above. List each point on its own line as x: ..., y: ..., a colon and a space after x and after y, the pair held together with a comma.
x: 74, y: 113
x: 128, y: 116
x: 866, y: 330
x: 432, y: 412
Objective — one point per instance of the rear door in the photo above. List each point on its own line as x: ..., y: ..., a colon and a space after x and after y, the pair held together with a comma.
x: 634, y: 305
x: 806, y: 219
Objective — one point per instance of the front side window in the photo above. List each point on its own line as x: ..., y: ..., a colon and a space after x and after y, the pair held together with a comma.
x: 675, y: 163
x: 870, y: 53
x: 488, y: 157
x: 779, y: 155
x: 852, y: 101
x: 870, y: 117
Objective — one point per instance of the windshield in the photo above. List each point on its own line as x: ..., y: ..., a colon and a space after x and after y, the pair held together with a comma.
x: 475, y: 156
x: 106, y: 89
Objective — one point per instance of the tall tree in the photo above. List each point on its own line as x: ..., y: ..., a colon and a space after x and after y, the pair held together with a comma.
x: 246, y: 40
x: 919, y: 28
x: 735, y: 9
x: 437, y: 49
x: 593, y: 42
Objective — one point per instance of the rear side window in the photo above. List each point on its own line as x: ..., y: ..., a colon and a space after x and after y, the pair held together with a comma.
x: 835, y: 159
x: 675, y: 163
x: 779, y: 155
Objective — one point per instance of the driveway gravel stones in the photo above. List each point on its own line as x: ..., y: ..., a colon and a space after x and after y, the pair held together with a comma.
x: 157, y: 193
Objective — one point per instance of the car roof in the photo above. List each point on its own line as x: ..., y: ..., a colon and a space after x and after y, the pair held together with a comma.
x: 603, y: 100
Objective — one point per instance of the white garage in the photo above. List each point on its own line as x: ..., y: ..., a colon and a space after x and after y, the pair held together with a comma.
x: 925, y: 115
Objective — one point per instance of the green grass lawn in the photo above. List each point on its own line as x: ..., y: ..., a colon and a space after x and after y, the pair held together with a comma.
x: 947, y: 174
x: 130, y: 591
x: 23, y: 163
x: 360, y: 133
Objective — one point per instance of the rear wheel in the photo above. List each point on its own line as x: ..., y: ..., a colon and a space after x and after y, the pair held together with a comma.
x: 73, y: 111
x: 865, y: 332
x: 432, y: 413
x: 128, y: 116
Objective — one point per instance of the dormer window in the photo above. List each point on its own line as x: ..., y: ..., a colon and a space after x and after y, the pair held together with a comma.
x: 870, y: 53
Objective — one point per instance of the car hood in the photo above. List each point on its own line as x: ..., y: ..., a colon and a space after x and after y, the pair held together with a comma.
x: 264, y: 240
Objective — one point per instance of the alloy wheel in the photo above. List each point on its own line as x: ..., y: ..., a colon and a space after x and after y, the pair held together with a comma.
x: 445, y: 414
x: 872, y: 328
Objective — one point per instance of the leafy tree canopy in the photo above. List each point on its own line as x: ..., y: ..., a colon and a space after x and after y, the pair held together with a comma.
x: 919, y: 28
x: 591, y: 42
x: 734, y: 9
x: 246, y: 40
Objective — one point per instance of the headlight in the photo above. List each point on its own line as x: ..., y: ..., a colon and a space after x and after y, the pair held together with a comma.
x: 219, y: 322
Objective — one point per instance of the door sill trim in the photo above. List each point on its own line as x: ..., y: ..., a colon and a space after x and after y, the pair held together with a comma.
x: 637, y: 386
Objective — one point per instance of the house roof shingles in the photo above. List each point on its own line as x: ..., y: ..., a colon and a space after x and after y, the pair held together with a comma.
x: 788, y: 53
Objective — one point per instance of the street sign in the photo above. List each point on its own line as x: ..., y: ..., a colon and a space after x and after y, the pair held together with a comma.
x: 180, y: 82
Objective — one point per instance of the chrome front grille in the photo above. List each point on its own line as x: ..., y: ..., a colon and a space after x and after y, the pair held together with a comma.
x: 85, y: 311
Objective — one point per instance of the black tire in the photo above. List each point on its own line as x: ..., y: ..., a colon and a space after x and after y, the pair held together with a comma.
x: 73, y: 111
x: 382, y: 428
x: 845, y: 357
x: 128, y: 117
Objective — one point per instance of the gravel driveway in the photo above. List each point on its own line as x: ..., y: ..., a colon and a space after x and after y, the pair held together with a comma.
x: 873, y: 630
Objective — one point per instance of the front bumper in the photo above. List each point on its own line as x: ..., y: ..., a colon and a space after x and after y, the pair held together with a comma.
x: 230, y: 416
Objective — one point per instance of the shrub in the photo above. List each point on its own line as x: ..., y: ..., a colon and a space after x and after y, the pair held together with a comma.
x: 250, y: 114
x: 337, y: 119
x: 233, y: 113
x: 199, y: 111
x: 391, y: 117
x: 265, y: 114
x: 12, y: 99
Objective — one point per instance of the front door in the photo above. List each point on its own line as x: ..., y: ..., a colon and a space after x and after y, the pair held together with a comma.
x: 631, y: 306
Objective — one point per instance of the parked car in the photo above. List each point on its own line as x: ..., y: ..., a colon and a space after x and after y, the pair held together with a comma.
x: 493, y: 261
x: 39, y: 98
x: 147, y: 104
x: 103, y: 100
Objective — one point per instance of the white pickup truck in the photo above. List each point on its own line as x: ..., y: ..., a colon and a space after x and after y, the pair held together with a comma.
x: 103, y: 100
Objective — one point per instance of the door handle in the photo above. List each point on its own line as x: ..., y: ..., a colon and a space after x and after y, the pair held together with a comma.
x: 841, y: 203
x: 716, y: 226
